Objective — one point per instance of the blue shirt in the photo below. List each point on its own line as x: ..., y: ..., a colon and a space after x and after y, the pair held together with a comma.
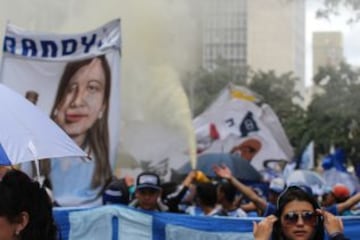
x: 332, y: 209
x: 71, y: 180
x: 270, y: 209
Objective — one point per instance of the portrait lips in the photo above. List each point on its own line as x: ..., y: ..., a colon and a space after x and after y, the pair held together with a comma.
x: 73, y: 118
x: 300, y: 233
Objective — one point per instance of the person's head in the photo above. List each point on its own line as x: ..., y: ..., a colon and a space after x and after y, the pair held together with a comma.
x: 277, y: 186
x: 168, y: 188
x: 81, y: 110
x: 32, y: 96
x: 25, y: 209
x: 148, y: 190
x: 206, y: 194
x: 248, y: 149
x: 337, y: 194
x: 226, y: 192
x: 118, y: 191
x: 340, y: 192
x: 298, y: 219
x: 81, y: 102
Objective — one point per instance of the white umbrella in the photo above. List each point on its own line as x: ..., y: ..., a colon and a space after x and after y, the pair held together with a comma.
x: 29, y: 134
x: 333, y: 176
x: 308, y: 178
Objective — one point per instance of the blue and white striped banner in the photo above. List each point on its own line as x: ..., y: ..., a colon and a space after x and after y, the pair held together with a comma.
x: 122, y: 223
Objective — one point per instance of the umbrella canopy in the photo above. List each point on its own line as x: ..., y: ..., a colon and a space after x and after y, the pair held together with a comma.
x: 333, y: 176
x: 240, y: 168
x: 308, y: 178
x: 29, y: 134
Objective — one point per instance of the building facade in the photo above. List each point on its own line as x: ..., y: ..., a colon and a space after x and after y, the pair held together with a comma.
x: 327, y: 49
x: 264, y: 35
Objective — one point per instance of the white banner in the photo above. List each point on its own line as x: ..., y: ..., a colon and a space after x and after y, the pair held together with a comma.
x: 35, y: 61
x: 235, y: 122
x: 61, y: 47
x: 74, y: 79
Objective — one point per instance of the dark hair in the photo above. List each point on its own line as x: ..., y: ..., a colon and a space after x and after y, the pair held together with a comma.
x: 97, y: 138
x: 300, y: 194
x: 206, y: 194
x: 20, y: 194
x: 228, y: 190
x: 168, y: 188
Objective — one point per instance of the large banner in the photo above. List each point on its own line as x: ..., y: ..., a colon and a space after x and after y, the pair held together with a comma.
x: 34, y: 63
x: 117, y: 222
x: 75, y: 80
x: 237, y: 122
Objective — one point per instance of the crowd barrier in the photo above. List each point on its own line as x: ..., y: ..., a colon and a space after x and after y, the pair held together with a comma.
x: 123, y: 223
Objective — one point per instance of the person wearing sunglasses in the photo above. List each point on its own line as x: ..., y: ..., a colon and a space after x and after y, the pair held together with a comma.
x: 298, y: 217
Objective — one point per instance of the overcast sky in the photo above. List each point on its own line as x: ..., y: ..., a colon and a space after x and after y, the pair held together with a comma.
x: 351, y: 35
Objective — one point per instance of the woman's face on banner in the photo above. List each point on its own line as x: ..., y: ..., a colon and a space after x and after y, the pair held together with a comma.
x: 83, y: 102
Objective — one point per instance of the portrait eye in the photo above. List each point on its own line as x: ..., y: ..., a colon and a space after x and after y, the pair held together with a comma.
x: 94, y: 87
x: 72, y: 88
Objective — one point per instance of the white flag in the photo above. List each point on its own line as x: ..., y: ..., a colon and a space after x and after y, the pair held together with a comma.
x: 236, y: 122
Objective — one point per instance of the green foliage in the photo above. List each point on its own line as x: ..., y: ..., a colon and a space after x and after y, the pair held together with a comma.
x: 332, y: 118
x: 279, y: 92
x: 334, y: 7
x: 333, y: 115
x: 204, y: 85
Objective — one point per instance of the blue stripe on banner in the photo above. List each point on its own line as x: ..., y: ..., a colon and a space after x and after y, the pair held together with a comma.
x: 62, y: 219
x: 115, y: 227
x: 4, y: 159
x: 121, y: 222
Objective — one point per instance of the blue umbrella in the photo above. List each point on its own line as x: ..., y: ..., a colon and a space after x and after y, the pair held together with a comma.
x: 240, y: 168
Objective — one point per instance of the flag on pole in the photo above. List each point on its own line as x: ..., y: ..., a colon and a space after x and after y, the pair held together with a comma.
x: 242, y: 124
x: 307, y: 158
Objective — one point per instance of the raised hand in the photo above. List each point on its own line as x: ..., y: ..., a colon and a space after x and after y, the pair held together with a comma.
x: 332, y: 223
x: 263, y: 229
x: 222, y: 171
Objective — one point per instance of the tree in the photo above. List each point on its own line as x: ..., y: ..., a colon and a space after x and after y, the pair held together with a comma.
x: 203, y: 86
x: 333, y: 8
x: 279, y: 92
x: 333, y: 115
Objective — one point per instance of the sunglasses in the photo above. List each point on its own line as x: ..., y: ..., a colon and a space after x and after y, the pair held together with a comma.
x: 308, y: 218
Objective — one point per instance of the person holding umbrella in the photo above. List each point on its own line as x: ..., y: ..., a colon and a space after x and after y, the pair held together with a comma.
x: 81, y: 110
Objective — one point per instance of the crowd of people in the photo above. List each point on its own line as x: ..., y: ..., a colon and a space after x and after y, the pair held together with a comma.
x: 290, y: 212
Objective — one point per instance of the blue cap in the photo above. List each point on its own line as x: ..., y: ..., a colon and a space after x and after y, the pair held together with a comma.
x: 148, y: 180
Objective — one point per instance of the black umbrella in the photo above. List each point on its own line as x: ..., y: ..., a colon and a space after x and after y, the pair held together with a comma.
x: 240, y: 168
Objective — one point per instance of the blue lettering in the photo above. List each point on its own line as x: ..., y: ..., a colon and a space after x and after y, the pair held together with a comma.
x: 88, y: 44
x: 49, y: 48
x: 9, y: 44
x: 28, y: 45
x: 69, y: 46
